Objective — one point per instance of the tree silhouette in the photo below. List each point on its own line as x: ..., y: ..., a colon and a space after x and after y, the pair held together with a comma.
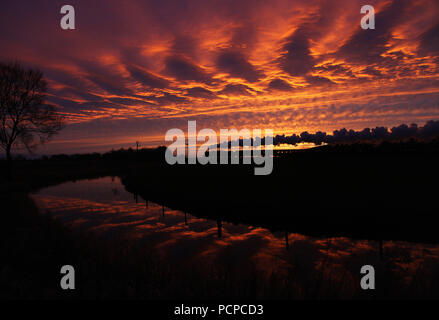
x: 25, y: 118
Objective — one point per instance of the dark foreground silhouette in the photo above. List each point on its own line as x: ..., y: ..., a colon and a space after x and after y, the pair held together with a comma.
x: 384, y: 192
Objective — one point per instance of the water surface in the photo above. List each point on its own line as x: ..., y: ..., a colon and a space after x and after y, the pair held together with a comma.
x: 103, y: 206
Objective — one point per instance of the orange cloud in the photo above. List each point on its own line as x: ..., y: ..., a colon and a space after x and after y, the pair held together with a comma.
x: 138, y: 69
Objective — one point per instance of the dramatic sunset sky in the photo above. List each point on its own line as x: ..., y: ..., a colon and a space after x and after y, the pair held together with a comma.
x: 134, y: 69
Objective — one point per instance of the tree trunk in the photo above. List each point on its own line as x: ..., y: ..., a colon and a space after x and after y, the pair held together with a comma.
x: 8, y: 162
x: 8, y: 153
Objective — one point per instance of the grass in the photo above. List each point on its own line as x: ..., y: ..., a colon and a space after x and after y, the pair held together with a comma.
x: 34, y: 247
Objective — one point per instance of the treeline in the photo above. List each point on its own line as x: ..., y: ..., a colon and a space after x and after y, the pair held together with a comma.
x: 148, y: 154
x: 375, y: 135
x: 403, y: 138
x: 402, y: 132
x: 410, y: 146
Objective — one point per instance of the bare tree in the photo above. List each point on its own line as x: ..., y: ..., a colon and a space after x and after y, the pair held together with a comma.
x: 25, y: 118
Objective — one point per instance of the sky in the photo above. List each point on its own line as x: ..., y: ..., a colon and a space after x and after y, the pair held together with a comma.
x: 131, y: 70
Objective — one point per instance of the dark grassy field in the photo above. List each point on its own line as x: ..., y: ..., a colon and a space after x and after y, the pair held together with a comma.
x: 371, y: 194
x: 384, y: 192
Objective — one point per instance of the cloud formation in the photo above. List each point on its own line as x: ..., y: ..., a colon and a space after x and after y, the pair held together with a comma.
x: 136, y: 69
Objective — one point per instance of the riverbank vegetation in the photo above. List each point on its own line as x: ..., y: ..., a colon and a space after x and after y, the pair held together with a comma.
x: 34, y: 246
